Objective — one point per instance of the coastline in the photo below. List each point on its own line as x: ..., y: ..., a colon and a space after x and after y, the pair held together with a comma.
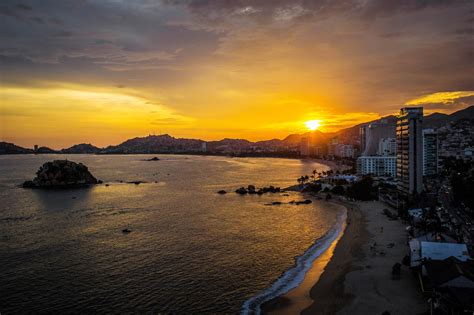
x: 357, y: 279
x: 323, y: 279
x: 304, y: 273
x: 298, y: 299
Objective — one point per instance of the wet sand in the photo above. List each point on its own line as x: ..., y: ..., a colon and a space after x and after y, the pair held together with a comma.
x: 357, y: 279
x: 333, y: 264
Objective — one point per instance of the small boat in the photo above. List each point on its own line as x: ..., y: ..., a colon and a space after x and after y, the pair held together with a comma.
x: 126, y: 231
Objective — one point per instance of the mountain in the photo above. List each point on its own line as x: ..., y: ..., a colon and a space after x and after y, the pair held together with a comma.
x: 10, y: 148
x: 229, y: 145
x: 437, y: 120
x: 317, y: 137
x: 155, y: 144
x: 83, y: 148
x: 167, y: 144
x: 466, y: 113
x: 351, y: 135
x: 46, y: 150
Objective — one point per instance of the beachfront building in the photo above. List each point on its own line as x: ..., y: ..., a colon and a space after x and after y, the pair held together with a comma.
x: 377, y: 165
x: 305, y: 146
x: 421, y: 251
x: 387, y: 147
x: 410, y: 150
x: 430, y: 152
x: 372, y: 133
x: 344, y: 150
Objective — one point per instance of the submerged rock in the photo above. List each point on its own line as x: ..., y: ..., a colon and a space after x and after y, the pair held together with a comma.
x: 136, y: 182
x: 153, y: 159
x: 301, y: 202
x: 241, y: 191
x: 62, y: 174
x: 251, y: 189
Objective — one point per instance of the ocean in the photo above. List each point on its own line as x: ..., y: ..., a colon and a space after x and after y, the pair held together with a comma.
x: 191, y: 250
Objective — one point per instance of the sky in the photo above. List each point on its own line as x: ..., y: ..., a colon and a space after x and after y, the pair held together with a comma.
x: 104, y: 71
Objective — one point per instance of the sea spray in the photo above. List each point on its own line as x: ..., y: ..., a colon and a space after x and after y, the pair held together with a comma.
x: 295, y: 275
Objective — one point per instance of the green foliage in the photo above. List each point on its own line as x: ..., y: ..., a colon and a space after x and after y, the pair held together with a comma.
x: 363, y: 189
x: 313, y: 187
x: 338, y: 190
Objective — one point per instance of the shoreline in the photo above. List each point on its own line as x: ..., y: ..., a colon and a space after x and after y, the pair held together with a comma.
x: 328, y: 293
x: 297, y: 276
x: 322, y: 279
x: 357, y: 279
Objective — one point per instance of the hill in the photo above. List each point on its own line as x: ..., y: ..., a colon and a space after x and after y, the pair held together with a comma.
x: 166, y: 143
x: 155, y: 144
x: 83, y: 148
x: 437, y: 120
x: 10, y: 148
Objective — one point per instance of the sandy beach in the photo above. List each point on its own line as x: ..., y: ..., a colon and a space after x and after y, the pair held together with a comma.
x: 357, y: 279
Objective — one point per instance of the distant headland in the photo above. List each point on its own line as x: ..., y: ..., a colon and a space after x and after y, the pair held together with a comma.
x: 287, y: 147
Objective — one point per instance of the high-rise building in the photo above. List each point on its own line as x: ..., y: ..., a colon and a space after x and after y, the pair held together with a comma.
x: 332, y: 146
x: 372, y: 133
x: 304, y: 146
x: 363, y: 137
x: 344, y: 150
x: 387, y: 147
x: 410, y: 150
x: 430, y: 152
x: 377, y: 165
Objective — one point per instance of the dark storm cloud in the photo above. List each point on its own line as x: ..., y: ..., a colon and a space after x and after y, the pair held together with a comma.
x: 95, y: 39
x: 24, y: 7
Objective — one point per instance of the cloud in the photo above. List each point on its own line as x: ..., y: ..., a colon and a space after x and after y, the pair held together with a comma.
x: 441, y: 97
x: 444, y: 101
x: 241, y: 65
x: 24, y: 7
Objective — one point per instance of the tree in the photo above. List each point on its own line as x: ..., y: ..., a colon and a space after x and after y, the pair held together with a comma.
x: 338, y: 190
x: 363, y: 189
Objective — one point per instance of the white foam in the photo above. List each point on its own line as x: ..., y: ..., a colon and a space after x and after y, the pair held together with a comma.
x: 295, y: 275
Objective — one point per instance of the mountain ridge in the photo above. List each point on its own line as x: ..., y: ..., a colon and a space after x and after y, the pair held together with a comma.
x: 166, y: 143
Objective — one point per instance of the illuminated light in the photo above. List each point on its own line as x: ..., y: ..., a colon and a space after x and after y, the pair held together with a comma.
x: 312, y: 124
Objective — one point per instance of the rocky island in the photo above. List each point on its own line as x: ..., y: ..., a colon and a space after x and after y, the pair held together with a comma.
x: 62, y: 174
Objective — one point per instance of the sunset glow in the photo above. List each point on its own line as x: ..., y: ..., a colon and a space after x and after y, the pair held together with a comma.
x: 312, y: 124
x: 111, y: 70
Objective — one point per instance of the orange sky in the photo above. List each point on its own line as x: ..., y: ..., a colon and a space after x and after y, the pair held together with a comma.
x: 104, y: 72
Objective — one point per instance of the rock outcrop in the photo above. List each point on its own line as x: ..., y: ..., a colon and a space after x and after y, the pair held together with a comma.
x: 62, y: 174
x: 251, y: 189
x: 153, y: 159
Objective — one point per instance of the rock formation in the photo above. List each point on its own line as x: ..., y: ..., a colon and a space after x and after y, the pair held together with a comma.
x: 62, y: 174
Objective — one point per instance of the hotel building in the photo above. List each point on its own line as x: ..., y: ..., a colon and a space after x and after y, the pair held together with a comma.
x: 430, y: 152
x: 410, y: 150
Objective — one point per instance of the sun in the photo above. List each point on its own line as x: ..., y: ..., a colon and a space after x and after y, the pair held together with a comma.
x: 312, y: 124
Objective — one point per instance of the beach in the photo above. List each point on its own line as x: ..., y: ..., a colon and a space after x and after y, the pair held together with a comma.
x: 357, y: 279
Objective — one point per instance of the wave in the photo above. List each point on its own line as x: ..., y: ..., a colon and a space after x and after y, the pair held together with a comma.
x: 295, y: 275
